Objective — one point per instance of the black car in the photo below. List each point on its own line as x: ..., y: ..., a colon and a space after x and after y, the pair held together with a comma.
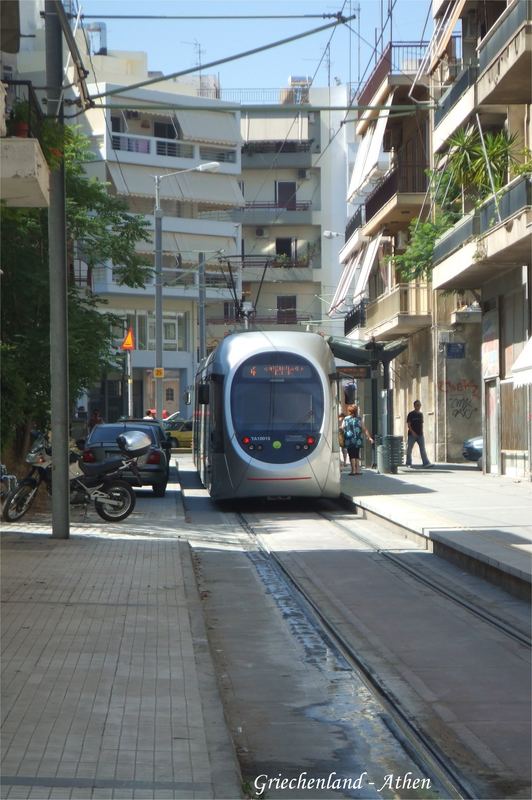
x: 154, y: 467
x: 472, y: 450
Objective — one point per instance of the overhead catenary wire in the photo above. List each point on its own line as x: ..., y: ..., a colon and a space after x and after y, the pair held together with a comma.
x: 339, y: 19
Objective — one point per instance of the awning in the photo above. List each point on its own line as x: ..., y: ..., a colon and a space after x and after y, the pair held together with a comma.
x: 367, y: 264
x: 219, y: 127
x: 188, y: 243
x: 345, y: 282
x: 290, y: 128
x: 358, y: 351
x: 370, y: 151
x: 194, y: 187
x: 443, y: 32
x: 522, y: 367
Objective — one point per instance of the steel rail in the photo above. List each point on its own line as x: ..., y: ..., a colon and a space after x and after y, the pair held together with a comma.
x: 492, y: 619
x: 420, y: 746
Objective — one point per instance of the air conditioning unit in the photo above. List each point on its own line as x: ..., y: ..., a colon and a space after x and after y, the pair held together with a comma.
x: 303, y: 174
x: 132, y: 115
x: 261, y: 233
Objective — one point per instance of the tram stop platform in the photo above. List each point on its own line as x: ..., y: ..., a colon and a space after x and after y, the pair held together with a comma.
x: 481, y: 522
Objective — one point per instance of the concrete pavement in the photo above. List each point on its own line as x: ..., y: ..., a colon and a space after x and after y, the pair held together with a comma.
x: 483, y: 522
x: 108, y: 686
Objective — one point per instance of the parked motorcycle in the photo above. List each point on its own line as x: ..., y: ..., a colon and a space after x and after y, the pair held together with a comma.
x: 113, y: 498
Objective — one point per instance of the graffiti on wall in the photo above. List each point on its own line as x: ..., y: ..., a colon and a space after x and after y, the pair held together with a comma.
x: 463, y: 397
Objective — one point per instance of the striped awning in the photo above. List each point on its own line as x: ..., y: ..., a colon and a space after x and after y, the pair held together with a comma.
x: 193, y: 187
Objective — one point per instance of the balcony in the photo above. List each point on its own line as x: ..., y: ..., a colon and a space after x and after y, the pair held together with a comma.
x: 281, y: 154
x: 402, y: 312
x: 261, y: 212
x: 505, y: 57
x: 397, y: 198
x: 463, y: 82
x: 24, y: 171
x: 278, y: 269
x: 482, y: 245
x: 356, y: 317
x: 401, y: 59
x: 164, y: 153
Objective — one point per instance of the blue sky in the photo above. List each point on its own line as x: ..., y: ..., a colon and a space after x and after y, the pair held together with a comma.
x: 176, y: 44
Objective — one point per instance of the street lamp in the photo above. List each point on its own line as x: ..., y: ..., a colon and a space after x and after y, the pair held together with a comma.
x: 210, y: 166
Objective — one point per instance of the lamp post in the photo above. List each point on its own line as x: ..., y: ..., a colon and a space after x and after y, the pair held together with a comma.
x: 210, y: 166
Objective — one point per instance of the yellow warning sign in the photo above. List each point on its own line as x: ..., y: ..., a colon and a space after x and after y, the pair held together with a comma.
x: 158, y: 372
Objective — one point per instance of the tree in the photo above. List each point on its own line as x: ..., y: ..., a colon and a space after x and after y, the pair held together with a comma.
x: 100, y: 225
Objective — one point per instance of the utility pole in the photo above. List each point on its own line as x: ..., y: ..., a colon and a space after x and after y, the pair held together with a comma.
x: 201, y: 307
x: 58, y: 288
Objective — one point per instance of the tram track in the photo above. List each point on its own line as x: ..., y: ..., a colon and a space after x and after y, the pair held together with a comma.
x: 421, y: 746
x: 496, y: 622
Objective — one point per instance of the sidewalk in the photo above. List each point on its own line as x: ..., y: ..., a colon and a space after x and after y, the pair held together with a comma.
x: 483, y: 522
x: 108, y: 684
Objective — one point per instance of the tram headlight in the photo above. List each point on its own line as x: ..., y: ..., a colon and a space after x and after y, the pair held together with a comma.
x: 246, y: 440
x: 311, y: 440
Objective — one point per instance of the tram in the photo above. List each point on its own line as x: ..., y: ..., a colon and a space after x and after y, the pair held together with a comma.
x: 265, y: 417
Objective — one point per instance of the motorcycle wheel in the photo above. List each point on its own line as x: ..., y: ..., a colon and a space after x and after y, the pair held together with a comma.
x: 19, y: 500
x: 122, y: 493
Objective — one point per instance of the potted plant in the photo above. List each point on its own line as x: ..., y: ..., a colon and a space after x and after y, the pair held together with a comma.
x: 19, y: 119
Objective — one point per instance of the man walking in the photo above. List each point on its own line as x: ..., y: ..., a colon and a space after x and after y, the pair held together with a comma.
x: 414, y: 423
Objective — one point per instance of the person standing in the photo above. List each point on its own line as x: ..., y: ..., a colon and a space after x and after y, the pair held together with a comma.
x: 341, y: 441
x: 354, y: 429
x: 414, y: 423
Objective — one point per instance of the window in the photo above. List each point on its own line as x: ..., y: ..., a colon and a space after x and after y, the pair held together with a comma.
x: 116, y: 124
x: 286, y: 194
x: 169, y: 395
x: 229, y: 312
x: 164, y: 130
x: 286, y: 309
x: 286, y: 247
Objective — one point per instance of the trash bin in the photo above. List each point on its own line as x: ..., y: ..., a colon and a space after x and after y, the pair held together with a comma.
x: 384, y: 465
x: 395, y: 448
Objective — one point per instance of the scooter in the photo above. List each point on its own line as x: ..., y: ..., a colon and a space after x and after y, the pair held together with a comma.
x: 101, y: 484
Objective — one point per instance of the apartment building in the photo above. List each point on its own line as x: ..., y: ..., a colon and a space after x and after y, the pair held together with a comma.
x: 483, y: 85
x: 387, y: 189
x: 294, y: 172
x: 468, y: 323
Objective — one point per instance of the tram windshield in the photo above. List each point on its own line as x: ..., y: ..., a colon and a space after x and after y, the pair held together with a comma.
x: 277, y: 392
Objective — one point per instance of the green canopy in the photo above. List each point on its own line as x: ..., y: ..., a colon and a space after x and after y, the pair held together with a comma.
x: 358, y: 351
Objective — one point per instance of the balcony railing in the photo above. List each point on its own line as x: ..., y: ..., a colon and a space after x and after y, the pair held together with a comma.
x: 401, y: 57
x: 406, y: 178
x: 356, y: 221
x: 263, y: 320
x: 150, y: 145
x: 356, y: 317
x: 279, y: 262
x: 503, y: 30
x: 406, y: 299
x: 456, y: 237
x: 467, y: 78
x: 277, y: 205
x: 250, y: 148
x: 515, y: 197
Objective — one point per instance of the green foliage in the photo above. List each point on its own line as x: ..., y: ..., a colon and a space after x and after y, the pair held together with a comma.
x: 462, y: 183
x: 416, y: 262
x: 106, y: 231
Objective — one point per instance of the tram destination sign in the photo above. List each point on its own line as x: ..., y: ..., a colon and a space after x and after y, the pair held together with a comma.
x: 276, y: 370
